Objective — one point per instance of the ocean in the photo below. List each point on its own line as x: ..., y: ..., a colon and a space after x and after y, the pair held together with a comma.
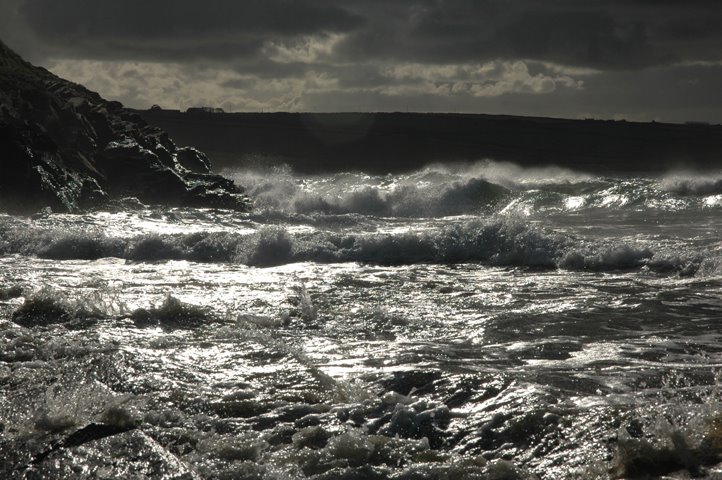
x: 470, y: 321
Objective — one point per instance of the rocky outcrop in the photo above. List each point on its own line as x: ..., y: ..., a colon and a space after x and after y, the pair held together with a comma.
x: 64, y: 147
x: 193, y: 160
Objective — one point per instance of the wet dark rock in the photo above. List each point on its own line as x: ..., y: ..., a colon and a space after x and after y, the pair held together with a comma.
x: 241, y: 409
x: 245, y: 394
x: 294, y: 412
x: 125, y: 204
x: 64, y: 147
x: 177, y: 441
x: 41, y: 312
x: 416, y: 421
x: 503, y: 434
x: 194, y: 160
x: 459, y: 397
x: 172, y: 314
x: 167, y: 418
x: 287, y: 414
x: 365, y: 472
x: 356, y: 414
x: 405, y: 382
x: 91, y: 194
x: 11, y: 292
x: 638, y: 458
x: 133, y: 170
x: 243, y: 470
x: 134, y: 455
x: 89, y: 433
x: 281, y: 435
x: 311, y: 437
x: 634, y: 428
x: 310, y: 420
x: 143, y: 318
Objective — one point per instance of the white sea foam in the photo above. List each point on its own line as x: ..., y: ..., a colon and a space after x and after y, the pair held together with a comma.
x: 478, y: 189
x: 427, y: 193
x: 501, y: 349
x: 502, y: 241
x: 692, y: 184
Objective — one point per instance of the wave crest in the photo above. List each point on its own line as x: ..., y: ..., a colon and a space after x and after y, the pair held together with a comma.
x: 496, y: 242
x: 682, y: 184
x: 423, y: 194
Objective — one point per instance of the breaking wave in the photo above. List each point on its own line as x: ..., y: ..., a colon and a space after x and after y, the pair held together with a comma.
x: 477, y: 188
x: 496, y: 242
x: 424, y: 194
x: 688, y: 184
x: 435, y: 191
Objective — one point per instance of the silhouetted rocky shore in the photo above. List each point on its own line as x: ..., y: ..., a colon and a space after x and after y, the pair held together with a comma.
x: 64, y: 147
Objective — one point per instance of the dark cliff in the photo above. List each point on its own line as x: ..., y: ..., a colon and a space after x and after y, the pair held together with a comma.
x: 392, y: 142
x: 65, y: 147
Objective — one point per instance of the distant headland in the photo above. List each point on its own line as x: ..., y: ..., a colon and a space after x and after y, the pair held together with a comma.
x: 394, y: 142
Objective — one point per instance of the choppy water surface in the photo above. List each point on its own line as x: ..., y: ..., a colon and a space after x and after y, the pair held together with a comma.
x: 480, y: 322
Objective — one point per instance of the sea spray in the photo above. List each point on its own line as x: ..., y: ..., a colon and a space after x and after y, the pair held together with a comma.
x: 477, y: 346
x: 499, y: 242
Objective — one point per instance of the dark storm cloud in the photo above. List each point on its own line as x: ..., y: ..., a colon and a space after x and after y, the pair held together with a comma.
x: 591, y: 33
x: 609, y: 58
x: 176, y: 29
x: 178, y: 18
x: 600, y: 34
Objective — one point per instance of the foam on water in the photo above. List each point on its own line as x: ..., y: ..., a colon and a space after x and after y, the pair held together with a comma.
x: 428, y: 193
x: 500, y: 241
x: 476, y: 321
x: 686, y: 183
x: 471, y: 189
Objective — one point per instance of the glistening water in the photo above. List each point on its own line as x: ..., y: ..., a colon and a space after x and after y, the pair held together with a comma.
x: 471, y: 322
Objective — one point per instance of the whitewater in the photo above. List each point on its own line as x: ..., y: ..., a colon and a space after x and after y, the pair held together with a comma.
x: 470, y: 321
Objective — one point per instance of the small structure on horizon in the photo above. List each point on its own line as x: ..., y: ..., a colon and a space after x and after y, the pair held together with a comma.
x: 205, y: 110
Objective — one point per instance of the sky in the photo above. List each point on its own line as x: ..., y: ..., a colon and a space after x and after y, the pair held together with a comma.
x: 638, y: 60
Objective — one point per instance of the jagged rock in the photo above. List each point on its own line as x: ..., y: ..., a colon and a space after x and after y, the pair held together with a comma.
x: 193, y: 160
x: 64, y: 147
x: 106, y: 451
x: 126, y: 204
x: 133, y: 170
x: 91, y: 194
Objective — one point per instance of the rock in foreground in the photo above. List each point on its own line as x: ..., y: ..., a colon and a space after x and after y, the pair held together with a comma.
x: 64, y: 147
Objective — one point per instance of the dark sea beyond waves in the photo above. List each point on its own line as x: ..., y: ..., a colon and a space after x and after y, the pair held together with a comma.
x: 476, y: 322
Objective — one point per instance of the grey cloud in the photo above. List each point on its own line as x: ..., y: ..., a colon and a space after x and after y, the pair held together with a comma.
x: 592, y: 33
x: 264, y: 68
x: 603, y: 34
x: 671, y: 94
x: 676, y: 93
x: 177, y: 29
x: 604, y: 58
x: 239, y: 83
x: 180, y: 18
